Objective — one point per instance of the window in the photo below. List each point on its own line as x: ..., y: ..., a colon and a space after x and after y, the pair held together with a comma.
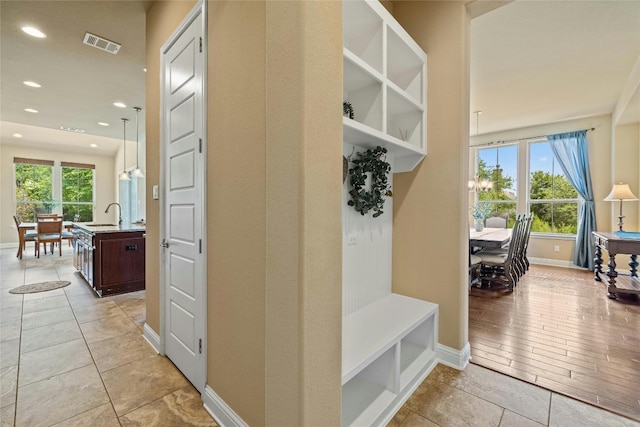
x: 552, y: 199
x: 77, y: 192
x: 43, y: 186
x: 34, y: 189
x: 542, y: 190
x: 499, y: 165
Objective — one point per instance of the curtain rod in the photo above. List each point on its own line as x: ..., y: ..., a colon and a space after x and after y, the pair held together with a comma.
x: 529, y: 138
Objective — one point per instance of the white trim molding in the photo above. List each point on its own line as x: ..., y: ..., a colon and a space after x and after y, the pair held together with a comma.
x: 458, y: 359
x: 152, y: 337
x: 555, y: 263
x: 219, y: 410
x: 8, y: 245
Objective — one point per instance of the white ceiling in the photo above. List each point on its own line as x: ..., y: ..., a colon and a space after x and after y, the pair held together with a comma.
x: 532, y: 62
x: 537, y: 62
x: 79, y: 83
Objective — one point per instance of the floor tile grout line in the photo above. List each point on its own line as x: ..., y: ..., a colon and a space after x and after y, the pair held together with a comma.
x: 15, y: 411
x: 93, y: 361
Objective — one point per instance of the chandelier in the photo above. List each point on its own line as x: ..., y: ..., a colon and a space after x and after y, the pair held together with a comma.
x: 480, y: 185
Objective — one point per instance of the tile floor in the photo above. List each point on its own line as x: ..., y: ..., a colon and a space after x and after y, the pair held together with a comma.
x: 69, y: 358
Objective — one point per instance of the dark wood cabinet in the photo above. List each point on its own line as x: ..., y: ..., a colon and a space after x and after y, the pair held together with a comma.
x: 112, y: 261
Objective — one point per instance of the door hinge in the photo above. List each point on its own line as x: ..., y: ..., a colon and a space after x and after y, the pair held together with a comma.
x: 200, y: 146
x: 200, y: 245
x: 200, y: 345
x: 200, y: 44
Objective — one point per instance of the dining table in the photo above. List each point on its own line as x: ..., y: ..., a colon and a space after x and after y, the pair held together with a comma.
x: 23, y: 227
x: 489, y: 237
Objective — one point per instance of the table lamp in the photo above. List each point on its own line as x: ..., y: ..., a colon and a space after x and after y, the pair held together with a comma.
x: 620, y: 192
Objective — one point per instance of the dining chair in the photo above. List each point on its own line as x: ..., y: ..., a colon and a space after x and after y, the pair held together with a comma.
x: 29, y: 236
x: 495, y: 222
x: 49, y: 230
x: 67, y: 235
x: 521, y: 242
x: 501, y: 267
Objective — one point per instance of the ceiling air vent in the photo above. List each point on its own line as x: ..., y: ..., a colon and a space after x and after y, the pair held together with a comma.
x: 101, y: 43
x: 71, y: 129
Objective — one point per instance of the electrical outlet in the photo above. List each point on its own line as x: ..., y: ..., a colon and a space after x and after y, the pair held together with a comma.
x: 352, y: 239
x: 556, y: 248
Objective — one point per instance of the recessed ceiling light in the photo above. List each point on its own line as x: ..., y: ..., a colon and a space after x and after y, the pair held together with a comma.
x: 17, y: 135
x: 34, y: 32
x: 31, y: 84
x: 144, y: 69
x: 31, y: 110
x: 120, y: 104
x: 103, y: 124
x: 93, y: 145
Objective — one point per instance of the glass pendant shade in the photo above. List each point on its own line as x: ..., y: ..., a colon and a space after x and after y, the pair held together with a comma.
x: 124, y: 176
x: 137, y: 172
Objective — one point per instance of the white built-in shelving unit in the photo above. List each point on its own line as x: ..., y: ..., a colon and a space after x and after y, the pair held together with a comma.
x: 388, y: 340
x: 385, y: 82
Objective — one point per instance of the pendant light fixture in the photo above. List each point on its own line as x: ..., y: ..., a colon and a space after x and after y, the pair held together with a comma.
x: 137, y: 172
x: 124, y: 176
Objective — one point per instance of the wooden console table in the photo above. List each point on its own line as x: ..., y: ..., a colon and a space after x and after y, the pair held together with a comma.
x: 618, y: 243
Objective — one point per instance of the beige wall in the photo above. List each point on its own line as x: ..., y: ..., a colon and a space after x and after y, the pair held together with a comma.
x: 600, y: 159
x: 626, y: 168
x: 273, y: 220
x: 236, y: 206
x: 430, y: 238
x: 104, y: 192
x: 304, y: 197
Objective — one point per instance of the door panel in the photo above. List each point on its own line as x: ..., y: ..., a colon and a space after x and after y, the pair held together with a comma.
x: 184, y: 279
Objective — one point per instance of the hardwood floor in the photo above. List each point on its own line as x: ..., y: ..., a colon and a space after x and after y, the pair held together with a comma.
x: 559, y: 330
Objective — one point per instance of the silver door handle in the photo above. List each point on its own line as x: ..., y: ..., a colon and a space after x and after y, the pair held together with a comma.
x: 164, y: 243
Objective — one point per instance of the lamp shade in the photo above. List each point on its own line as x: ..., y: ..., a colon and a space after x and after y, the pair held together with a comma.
x: 620, y: 192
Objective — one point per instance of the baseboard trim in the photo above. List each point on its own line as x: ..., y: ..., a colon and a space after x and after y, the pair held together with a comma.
x: 219, y: 410
x: 152, y: 338
x: 555, y: 263
x: 457, y: 359
x: 9, y: 245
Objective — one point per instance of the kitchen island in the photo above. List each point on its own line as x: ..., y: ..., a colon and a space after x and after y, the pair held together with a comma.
x: 110, y: 257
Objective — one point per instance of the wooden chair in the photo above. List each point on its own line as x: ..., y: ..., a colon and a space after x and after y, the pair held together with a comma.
x: 29, y: 236
x: 49, y: 230
x: 521, y: 240
x: 501, y: 268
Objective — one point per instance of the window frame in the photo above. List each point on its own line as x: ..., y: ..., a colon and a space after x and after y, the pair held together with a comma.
x: 33, y: 162
x: 92, y: 203
x: 530, y: 201
x: 523, y: 186
x: 56, y: 184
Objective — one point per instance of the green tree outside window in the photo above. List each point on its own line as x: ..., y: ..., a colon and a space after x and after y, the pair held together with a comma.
x: 33, y: 190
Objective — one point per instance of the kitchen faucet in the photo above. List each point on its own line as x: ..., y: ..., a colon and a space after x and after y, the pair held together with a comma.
x: 119, y: 211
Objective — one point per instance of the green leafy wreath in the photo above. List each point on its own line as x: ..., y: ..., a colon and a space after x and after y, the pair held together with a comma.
x: 374, y: 162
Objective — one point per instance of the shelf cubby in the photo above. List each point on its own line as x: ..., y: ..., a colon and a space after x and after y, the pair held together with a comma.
x: 405, y: 67
x: 363, y: 32
x: 404, y: 119
x: 370, y: 391
x: 364, y: 91
x: 416, y: 349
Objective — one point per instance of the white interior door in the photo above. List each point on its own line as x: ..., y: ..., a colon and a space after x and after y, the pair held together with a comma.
x: 183, y: 160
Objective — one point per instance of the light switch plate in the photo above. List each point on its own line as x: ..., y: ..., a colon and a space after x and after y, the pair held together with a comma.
x: 155, y: 192
x: 352, y: 239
